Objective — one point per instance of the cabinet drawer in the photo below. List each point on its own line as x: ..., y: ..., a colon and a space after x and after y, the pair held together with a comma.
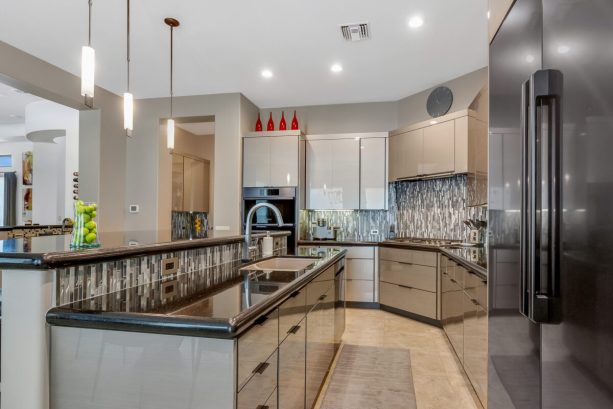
x: 291, y: 312
x: 360, y: 291
x: 424, y: 258
x: 360, y: 252
x: 292, y: 361
x: 261, y: 386
x: 411, y: 275
x: 316, y: 290
x: 408, y: 299
x: 476, y: 288
x: 359, y: 269
x: 256, y: 345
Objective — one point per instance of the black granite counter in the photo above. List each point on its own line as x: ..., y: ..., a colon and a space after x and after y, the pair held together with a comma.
x: 473, y: 258
x: 223, y: 311
x: 31, y: 226
x: 47, y: 252
x: 338, y: 243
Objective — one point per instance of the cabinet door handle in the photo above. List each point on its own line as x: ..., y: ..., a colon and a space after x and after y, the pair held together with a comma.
x: 404, y: 286
x: 294, y: 329
x: 261, y: 368
x: 261, y: 320
x: 322, y: 297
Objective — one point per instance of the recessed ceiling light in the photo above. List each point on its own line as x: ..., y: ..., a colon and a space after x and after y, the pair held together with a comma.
x: 416, y: 22
x: 267, y: 74
x: 529, y: 58
x: 336, y: 68
x: 563, y: 49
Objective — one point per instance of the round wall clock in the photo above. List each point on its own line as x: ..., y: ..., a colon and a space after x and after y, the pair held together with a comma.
x: 439, y: 101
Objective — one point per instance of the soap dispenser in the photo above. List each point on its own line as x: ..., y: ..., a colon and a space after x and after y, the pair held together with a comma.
x: 267, y: 245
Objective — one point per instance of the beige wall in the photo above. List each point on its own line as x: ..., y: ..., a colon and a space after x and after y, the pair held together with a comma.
x: 412, y: 109
x: 149, y: 181
x: 498, y: 10
x: 102, y: 158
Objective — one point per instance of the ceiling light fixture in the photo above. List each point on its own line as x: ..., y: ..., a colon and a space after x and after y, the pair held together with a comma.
x: 128, y: 98
x: 416, y: 22
x: 267, y: 74
x: 336, y: 68
x: 88, y: 64
x: 170, y: 124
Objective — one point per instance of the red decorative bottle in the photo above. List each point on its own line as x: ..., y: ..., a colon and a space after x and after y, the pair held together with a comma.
x: 258, y: 124
x: 271, y: 124
x: 282, y: 123
x: 294, y: 122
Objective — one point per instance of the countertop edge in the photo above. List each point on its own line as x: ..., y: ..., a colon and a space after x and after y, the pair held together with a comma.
x: 480, y: 270
x: 42, y: 261
x: 182, y: 325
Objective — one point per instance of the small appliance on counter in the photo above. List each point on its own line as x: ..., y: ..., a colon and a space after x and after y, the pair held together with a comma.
x: 321, y: 231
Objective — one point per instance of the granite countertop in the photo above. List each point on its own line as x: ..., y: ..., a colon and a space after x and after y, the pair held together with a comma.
x: 32, y: 226
x: 473, y: 258
x: 47, y: 252
x: 342, y: 243
x: 210, y: 313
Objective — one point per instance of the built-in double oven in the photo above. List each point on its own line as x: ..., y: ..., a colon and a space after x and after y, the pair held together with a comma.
x: 285, y: 199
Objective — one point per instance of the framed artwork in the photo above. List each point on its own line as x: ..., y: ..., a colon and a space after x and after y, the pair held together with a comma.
x: 27, y: 174
x: 27, y: 204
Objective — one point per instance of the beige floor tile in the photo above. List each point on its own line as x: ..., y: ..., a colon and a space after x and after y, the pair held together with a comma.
x: 439, y: 381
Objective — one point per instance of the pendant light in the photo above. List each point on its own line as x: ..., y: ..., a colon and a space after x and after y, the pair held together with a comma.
x: 128, y: 98
x: 88, y: 64
x: 170, y: 124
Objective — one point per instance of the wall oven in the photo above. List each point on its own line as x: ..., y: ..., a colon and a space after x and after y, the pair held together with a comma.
x: 285, y: 199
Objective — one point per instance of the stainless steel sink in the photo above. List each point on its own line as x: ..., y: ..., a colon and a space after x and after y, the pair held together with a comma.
x: 281, y: 264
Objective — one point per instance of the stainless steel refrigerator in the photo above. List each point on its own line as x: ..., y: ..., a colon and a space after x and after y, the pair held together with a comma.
x: 551, y: 207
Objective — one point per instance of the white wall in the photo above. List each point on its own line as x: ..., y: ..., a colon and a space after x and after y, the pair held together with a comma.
x: 54, y: 163
x: 16, y: 150
x: 149, y: 164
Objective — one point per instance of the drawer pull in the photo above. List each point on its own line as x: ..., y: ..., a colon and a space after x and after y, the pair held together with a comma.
x: 261, y: 320
x: 294, y: 329
x: 262, y: 407
x: 405, y: 263
x: 472, y: 300
x: 261, y: 368
x: 453, y: 281
x: 404, y: 286
x: 322, y: 297
x: 294, y: 294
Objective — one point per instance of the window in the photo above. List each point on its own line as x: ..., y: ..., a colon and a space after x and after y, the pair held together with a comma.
x: 6, y: 161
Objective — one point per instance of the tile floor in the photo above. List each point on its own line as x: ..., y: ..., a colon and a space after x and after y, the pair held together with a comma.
x: 439, y: 382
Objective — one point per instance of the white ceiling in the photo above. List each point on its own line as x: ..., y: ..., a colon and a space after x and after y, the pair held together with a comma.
x: 13, y: 105
x: 222, y: 46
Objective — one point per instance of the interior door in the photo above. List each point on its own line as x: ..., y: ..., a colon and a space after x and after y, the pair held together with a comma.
x: 577, y: 363
x: 513, y: 341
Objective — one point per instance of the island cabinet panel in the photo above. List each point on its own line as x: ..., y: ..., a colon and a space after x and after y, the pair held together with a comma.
x: 261, y: 385
x: 292, y: 368
x: 291, y: 312
x: 256, y: 345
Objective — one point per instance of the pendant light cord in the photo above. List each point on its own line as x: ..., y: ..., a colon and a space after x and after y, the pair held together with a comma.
x: 171, y: 67
x: 89, y: 33
x: 128, y: 43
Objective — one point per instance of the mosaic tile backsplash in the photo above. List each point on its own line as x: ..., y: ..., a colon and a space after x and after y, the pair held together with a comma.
x: 198, y: 269
x: 433, y: 208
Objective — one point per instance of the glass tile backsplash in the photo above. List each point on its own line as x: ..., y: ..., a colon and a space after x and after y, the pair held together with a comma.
x: 433, y: 208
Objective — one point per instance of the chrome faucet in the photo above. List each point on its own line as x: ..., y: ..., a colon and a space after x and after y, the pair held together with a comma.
x: 247, y: 247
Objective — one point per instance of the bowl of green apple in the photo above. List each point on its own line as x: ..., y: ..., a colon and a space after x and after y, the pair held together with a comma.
x: 85, y: 227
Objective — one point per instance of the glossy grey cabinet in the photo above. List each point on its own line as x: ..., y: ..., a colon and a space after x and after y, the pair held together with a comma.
x: 464, y: 319
x: 256, y: 345
x: 292, y: 367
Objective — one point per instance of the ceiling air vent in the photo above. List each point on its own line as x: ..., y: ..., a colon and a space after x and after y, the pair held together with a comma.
x: 355, y: 32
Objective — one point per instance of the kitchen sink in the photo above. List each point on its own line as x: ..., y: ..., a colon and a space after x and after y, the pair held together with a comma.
x: 281, y: 264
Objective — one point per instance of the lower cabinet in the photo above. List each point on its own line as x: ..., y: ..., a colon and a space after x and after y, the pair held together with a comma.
x: 261, y: 386
x: 292, y: 367
x: 408, y: 299
x: 464, y: 318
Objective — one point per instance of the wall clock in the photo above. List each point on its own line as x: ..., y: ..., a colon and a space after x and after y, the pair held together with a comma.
x: 439, y: 101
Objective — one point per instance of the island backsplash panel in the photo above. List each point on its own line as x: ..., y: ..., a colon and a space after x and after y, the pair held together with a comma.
x: 433, y: 208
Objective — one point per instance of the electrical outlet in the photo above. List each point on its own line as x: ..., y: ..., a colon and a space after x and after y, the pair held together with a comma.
x: 374, y: 232
x: 134, y: 208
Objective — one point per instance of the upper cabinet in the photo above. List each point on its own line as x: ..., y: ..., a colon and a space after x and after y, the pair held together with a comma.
x: 453, y: 144
x: 271, y: 161
x: 346, y: 171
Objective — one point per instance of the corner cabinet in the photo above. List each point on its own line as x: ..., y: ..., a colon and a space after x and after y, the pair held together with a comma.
x: 346, y: 171
x: 271, y: 159
x: 453, y: 144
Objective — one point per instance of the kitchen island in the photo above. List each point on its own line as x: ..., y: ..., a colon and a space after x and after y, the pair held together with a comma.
x: 41, y: 273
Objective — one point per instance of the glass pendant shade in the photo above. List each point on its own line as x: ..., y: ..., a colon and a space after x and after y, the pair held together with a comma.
x: 88, y: 65
x: 128, y: 111
x: 170, y: 134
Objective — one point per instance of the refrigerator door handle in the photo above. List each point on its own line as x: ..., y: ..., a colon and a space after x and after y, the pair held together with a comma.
x: 541, y: 173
